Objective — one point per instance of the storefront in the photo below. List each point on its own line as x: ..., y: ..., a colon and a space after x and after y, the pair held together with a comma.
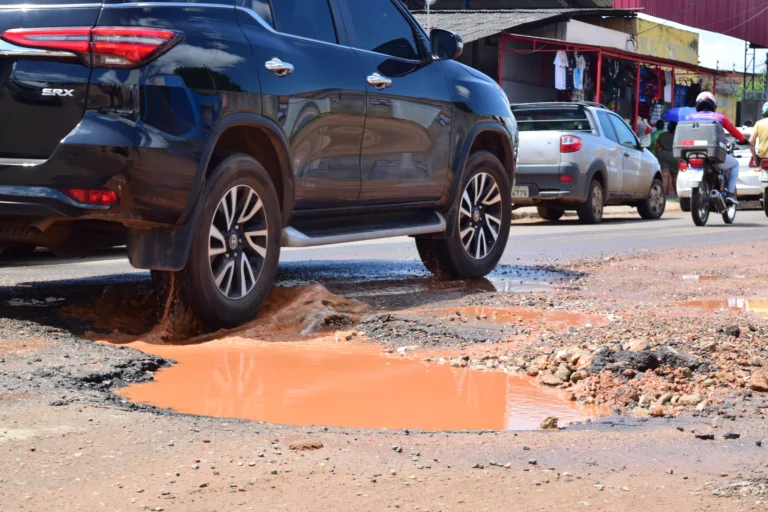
x: 637, y: 87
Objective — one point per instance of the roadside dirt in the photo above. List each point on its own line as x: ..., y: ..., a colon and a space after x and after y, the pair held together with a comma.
x: 620, y: 334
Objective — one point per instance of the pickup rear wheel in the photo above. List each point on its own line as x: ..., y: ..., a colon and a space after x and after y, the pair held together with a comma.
x: 236, y: 245
x: 653, y: 206
x: 591, y: 212
x: 550, y: 214
x: 482, y: 223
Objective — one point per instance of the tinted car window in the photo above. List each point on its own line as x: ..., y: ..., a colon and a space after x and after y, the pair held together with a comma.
x: 624, y: 134
x: 605, y: 124
x: 379, y: 26
x: 552, y: 119
x: 260, y: 7
x: 305, y: 18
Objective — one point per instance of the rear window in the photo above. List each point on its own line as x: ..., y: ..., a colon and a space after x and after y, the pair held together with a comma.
x: 539, y: 120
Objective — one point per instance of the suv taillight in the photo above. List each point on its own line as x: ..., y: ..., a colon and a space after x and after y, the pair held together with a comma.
x: 764, y: 163
x: 570, y: 144
x: 111, y: 47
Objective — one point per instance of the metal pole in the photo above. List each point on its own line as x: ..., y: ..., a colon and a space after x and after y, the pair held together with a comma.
x: 746, y: 51
x: 637, y: 100
x: 599, y: 76
x: 428, y: 25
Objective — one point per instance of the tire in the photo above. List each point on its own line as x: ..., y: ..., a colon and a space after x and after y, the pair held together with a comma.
x: 229, y: 272
x: 685, y: 204
x: 591, y: 212
x: 699, y: 210
x: 765, y: 201
x: 729, y: 215
x: 652, y: 208
x: 550, y: 214
x: 480, y: 216
x: 16, y: 251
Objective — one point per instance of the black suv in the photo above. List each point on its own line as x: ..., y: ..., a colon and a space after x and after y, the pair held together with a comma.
x: 204, y: 136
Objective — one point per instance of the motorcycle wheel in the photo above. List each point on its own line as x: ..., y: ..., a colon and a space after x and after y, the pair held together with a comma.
x: 729, y: 215
x: 699, y: 207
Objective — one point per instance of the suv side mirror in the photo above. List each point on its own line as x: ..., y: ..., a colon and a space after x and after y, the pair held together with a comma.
x: 645, y: 141
x: 445, y: 45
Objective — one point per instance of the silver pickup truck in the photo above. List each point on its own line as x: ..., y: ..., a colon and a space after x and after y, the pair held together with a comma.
x: 581, y: 156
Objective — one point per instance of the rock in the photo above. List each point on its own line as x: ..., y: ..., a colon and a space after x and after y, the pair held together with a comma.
x: 301, y: 446
x: 657, y: 412
x: 640, y: 361
x: 562, y: 355
x: 533, y: 371
x: 563, y: 372
x: 478, y: 466
x: 644, y: 400
x: 665, y: 398
x: 759, y: 381
x: 711, y: 346
x: 397, y: 449
x: 629, y: 373
x: 550, y: 380
x: 599, y: 487
x: 577, y: 376
x: 690, y: 400
x: 676, y: 359
x: 733, y: 330
x: 533, y: 462
x: 731, y: 435
x: 637, y: 345
x: 705, y: 437
x: 702, y: 405
x: 549, y: 423
x: 759, y: 443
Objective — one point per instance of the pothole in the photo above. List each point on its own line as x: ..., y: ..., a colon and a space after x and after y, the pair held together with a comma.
x: 759, y: 306
x: 488, y: 316
x: 345, y: 385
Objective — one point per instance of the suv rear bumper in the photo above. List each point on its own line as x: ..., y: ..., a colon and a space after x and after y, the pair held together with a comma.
x: 151, y: 172
x: 561, y: 183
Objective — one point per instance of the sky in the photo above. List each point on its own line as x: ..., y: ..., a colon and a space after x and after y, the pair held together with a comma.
x: 713, y: 47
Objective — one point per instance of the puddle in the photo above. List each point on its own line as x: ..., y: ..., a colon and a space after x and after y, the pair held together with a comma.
x: 347, y: 385
x: 709, y: 277
x: 482, y: 315
x: 759, y: 306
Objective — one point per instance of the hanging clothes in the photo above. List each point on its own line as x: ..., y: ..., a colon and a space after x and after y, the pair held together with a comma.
x: 658, y: 75
x: 561, y: 65
x: 668, y: 85
x: 570, y: 71
x: 578, y: 73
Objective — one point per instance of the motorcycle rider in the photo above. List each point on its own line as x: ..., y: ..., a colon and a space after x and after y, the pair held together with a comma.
x: 760, y: 137
x: 706, y: 110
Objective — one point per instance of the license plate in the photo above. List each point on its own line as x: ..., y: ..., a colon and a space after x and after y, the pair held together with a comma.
x: 694, y: 175
x: 764, y: 176
x: 520, y: 192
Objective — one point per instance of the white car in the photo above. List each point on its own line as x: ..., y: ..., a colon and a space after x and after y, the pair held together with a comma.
x: 748, y: 188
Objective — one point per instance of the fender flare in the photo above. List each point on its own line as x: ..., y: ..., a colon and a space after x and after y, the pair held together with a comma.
x: 462, y: 157
x: 276, y: 136
x: 167, y: 248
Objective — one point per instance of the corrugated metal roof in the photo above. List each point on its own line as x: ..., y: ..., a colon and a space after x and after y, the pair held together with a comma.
x: 474, y: 25
x: 743, y: 19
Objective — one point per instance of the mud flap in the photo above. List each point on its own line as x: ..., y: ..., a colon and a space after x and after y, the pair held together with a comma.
x: 165, y: 248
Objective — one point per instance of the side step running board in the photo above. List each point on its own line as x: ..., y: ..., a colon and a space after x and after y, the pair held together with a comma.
x: 294, y: 238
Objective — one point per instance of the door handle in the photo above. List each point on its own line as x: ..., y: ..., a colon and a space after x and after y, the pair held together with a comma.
x: 627, y: 155
x: 378, y: 81
x: 279, y: 67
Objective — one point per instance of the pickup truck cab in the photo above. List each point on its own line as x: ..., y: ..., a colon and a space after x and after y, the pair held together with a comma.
x: 583, y: 157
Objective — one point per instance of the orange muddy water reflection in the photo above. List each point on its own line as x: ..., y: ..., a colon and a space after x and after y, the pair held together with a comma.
x: 759, y: 306
x: 350, y: 385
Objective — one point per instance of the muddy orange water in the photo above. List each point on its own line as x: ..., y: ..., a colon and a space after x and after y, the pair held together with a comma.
x: 759, y: 306
x: 340, y: 384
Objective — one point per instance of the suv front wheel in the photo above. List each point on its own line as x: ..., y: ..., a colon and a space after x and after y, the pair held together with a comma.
x: 482, y: 223
x: 236, y: 246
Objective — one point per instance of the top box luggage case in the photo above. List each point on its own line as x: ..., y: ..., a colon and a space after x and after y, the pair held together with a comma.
x: 700, y: 139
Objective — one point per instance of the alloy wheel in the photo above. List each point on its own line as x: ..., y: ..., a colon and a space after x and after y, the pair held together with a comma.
x: 480, y: 215
x: 656, y: 202
x: 237, y: 243
x: 597, y: 202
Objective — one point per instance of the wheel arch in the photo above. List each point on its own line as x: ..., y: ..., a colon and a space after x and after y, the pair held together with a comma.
x: 167, y: 248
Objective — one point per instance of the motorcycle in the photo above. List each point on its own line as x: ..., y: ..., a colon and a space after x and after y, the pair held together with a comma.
x: 709, y: 196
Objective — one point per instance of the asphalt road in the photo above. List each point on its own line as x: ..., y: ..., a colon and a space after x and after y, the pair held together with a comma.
x: 531, y: 242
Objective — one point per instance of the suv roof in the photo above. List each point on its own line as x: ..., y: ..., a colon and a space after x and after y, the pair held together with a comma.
x: 560, y: 104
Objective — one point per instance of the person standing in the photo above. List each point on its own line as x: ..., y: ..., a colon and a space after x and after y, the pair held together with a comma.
x: 760, y: 137
x: 663, y: 149
x: 656, y: 134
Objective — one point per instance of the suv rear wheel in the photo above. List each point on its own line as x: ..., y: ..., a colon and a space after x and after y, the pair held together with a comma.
x: 236, y: 245
x: 550, y: 214
x: 482, y: 225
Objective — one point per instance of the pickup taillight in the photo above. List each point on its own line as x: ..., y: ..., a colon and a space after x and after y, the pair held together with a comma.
x: 110, y: 47
x: 570, y: 144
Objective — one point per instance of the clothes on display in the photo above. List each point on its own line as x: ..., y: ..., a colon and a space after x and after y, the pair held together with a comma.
x: 668, y: 87
x: 561, y: 67
x: 578, y: 73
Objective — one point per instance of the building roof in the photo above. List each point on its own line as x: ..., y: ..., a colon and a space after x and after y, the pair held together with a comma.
x: 474, y: 25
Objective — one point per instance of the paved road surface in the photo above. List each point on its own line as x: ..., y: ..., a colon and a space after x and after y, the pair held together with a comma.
x: 530, y: 242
